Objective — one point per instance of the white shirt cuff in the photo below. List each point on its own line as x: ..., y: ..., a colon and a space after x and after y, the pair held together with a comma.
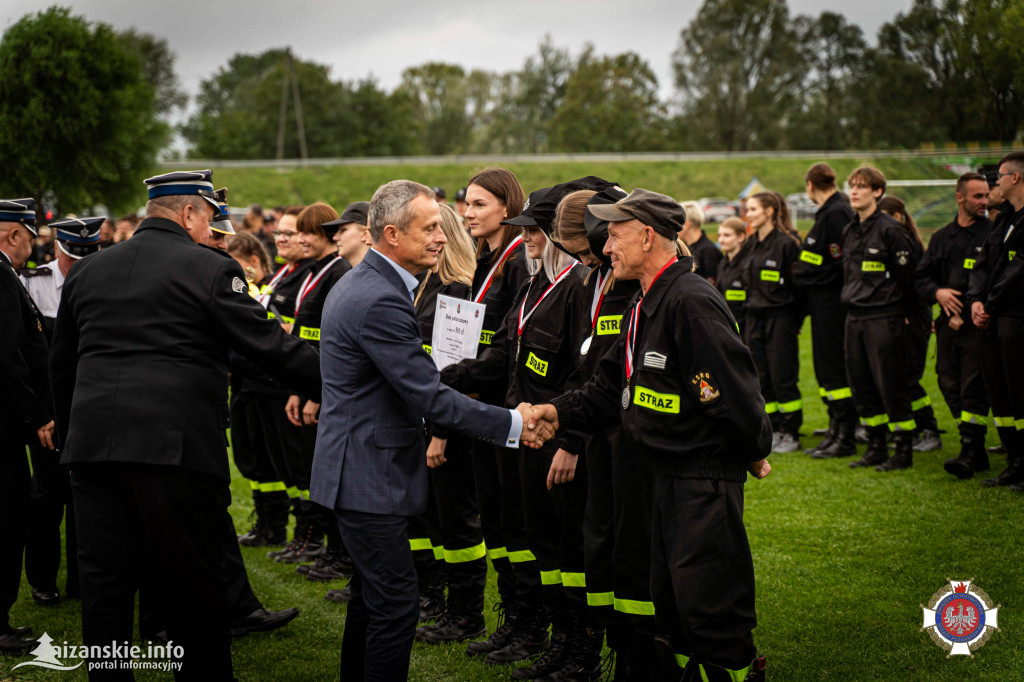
x: 517, y: 429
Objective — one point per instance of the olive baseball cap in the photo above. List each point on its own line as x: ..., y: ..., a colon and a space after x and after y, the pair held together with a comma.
x: 662, y: 213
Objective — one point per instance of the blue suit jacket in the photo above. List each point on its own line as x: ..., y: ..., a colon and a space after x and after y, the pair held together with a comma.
x: 378, y: 386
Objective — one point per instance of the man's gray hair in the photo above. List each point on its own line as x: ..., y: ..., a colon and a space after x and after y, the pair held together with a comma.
x: 175, y: 202
x: 390, y: 206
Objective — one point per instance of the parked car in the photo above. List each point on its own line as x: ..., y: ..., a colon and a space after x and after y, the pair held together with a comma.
x: 801, y: 206
x: 717, y: 209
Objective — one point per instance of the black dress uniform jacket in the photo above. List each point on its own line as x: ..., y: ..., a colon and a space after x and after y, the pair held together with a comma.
x: 694, y: 403
x: 732, y: 282
x: 311, y: 308
x: 140, y: 352
x: 949, y: 260
x: 878, y: 268
x: 820, y: 262
x: 998, y: 276
x: 24, y: 385
x: 706, y: 256
x: 769, y: 265
x: 284, y: 293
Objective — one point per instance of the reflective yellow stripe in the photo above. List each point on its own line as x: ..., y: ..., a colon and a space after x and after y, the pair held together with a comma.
x: 908, y: 425
x: 1003, y: 422
x: 304, y: 494
x: 574, y: 579
x: 877, y: 420
x: 822, y: 392
x: 639, y: 608
x: 791, y: 406
x: 839, y: 394
x: 811, y: 257
x: 458, y: 556
x: 969, y: 263
x: 497, y: 553
x: 608, y: 324
x: 600, y: 598
x: 551, y: 577
x: 771, y: 408
x: 920, y: 403
x: 420, y: 544
x: 681, y: 660
x: 659, y: 402
x: 735, y: 295
x: 1011, y: 255
x: 971, y: 418
x: 537, y: 365
x: 253, y: 485
x: 309, y: 333
x: 427, y: 348
x: 738, y: 675
x: 293, y: 491
x: 271, y: 316
x: 485, y: 337
x: 274, y: 487
x: 872, y: 266
x: 769, y: 275
x: 438, y: 553
x: 287, y: 320
x: 521, y: 556
x: 265, y: 288
x: 1020, y: 424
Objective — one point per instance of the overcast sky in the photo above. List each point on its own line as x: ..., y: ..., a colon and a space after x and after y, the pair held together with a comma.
x: 382, y: 38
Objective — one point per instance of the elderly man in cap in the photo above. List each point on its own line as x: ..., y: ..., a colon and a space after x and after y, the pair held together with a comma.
x: 684, y: 388
x: 25, y: 405
x: 76, y: 238
x: 139, y: 369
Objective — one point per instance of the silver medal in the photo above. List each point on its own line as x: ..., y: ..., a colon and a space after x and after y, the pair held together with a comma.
x: 585, y: 348
x: 625, y: 397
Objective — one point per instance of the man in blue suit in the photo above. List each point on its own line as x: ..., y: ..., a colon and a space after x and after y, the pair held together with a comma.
x: 370, y: 461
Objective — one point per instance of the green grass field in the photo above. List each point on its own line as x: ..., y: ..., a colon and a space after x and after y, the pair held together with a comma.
x: 843, y: 560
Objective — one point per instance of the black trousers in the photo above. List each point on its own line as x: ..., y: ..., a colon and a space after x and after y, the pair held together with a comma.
x: 876, y: 368
x: 775, y: 348
x: 248, y: 440
x: 617, y: 539
x: 828, y: 322
x: 51, y: 494
x: 282, y: 439
x: 381, y: 622
x: 459, y: 525
x: 919, y: 332
x: 958, y: 360
x: 553, y: 521
x: 425, y: 543
x: 15, y: 485
x: 1003, y: 368
x: 702, y: 574
x: 165, y: 522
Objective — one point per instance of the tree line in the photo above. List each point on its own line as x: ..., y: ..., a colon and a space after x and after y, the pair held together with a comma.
x: 749, y: 76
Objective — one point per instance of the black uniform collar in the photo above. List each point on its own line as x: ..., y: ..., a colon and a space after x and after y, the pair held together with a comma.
x: 5, y: 259
x: 664, y: 283
x: 165, y: 225
x: 323, y: 262
x: 831, y: 201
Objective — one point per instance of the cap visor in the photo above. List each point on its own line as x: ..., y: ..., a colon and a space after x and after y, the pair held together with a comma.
x: 520, y: 220
x: 608, y: 212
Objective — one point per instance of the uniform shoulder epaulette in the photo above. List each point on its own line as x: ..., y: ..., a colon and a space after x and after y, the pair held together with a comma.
x: 35, y: 272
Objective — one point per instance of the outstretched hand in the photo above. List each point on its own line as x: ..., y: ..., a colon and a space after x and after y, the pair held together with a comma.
x: 539, y: 424
x: 760, y: 468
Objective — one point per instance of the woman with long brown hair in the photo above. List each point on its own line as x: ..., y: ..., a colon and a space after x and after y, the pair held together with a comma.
x: 919, y: 331
x: 773, y: 315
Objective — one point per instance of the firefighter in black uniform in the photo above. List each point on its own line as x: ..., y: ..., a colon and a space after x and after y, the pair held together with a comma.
x: 316, y: 225
x: 774, y: 315
x: 996, y: 298
x: 819, y: 273
x: 139, y: 369
x: 26, y: 406
x: 943, y: 277
x: 706, y: 255
x: 732, y: 269
x: 878, y: 282
x: 684, y: 388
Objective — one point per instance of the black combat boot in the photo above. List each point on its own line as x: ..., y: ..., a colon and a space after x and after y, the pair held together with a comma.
x: 972, y: 458
x: 582, y: 661
x: 1013, y: 474
x: 843, y: 445
x: 553, y: 658
x: 529, y: 637
x: 830, y: 437
x: 256, y: 535
x: 276, y: 506
x: 903, y: 456
x: 461, y: 619
x: 877, y: 451
x: 501, y: 636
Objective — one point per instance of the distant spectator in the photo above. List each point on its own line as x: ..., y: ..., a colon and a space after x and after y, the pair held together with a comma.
x: 253, y: 221
x: 107, y: 230
x: 125, y: 227
x: 460, y: 204
x: 440, y: 195
x: 266, y: 233
x: 42, y: 248
x: 705, y: 254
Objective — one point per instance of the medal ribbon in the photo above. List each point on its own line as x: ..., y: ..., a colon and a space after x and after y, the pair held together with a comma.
x: 490, y: 275
x: 599, y: 292
x: 308, y: 285
x: 635, y: 318
x: 522, y: 320
x: 264, y: 298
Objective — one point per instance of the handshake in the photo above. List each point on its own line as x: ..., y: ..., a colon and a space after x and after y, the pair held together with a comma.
x: 539, y: 424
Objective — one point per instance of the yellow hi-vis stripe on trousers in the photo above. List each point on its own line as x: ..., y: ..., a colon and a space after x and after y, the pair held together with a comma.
x: 920, y: 403
x: 551, y: 577
x: 600, y: 598
x: 971, y: 418
x: 459, y: 556
x: 637, y: 608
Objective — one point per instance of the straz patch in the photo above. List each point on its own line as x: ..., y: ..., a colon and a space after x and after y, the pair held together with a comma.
x: 238, y: 286
x: 309, y: 333
x: 872, y: 266
x: 811, y: 257
x: 769, y: 275
x: 969, y: 263
x: 608, y: 324
x: 706, y: 391
x: 537, y: 365
x: 659, y: 402
x: 485, y: 336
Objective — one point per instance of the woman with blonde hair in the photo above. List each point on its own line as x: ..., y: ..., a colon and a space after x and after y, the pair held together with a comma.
x: 731, y: 278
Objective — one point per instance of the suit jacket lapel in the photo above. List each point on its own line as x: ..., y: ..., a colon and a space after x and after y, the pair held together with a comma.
x: 376, y: 261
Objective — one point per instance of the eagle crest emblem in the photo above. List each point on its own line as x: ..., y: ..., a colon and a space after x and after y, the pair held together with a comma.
x: 960, y: 618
